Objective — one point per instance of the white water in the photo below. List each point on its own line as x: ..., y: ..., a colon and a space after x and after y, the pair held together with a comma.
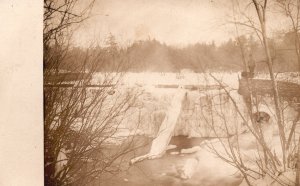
x: 161, y: 142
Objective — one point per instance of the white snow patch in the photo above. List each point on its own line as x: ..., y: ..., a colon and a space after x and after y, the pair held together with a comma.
x: 190, y: 150
x: 169, y: 147
x: 174, y: 153
x: 62, y: 161
x: 189, y: 168
x: 207, y: 167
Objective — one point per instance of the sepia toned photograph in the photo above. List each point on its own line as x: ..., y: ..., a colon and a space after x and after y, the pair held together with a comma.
x: 171, y: 92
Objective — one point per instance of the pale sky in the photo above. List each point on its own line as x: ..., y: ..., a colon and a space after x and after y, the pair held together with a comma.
x: 174, y: 22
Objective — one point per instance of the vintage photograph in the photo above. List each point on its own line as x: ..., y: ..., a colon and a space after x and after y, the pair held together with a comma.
x: 171, y: 92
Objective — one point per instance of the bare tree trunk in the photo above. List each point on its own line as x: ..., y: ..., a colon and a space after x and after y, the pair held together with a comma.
x: 298, y: 163
x: 276, y: 96
x: 297, y: 50
x: 297, y: 39
x: 261, y: 12
x: 292, y: 132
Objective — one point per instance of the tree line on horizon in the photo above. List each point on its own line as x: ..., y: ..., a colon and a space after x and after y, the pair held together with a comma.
x: 154, y: 56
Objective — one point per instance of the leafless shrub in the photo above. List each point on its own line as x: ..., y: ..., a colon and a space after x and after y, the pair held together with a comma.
x: 81, y: 116
x: 256, y: 123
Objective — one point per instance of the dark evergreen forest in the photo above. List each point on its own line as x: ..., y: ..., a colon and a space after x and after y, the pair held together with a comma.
x: 154, y: 56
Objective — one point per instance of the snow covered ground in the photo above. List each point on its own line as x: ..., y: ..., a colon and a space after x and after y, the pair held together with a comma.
x: 154, y: 78
x: 293, y: 77
x: 199, y: 111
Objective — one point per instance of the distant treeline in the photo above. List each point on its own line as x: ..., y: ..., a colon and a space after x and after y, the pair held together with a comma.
x: 152, y: 55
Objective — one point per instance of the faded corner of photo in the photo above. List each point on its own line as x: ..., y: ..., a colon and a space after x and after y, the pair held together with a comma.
x: 21, y: 93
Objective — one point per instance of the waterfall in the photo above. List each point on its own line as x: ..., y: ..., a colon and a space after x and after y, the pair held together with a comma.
x: 166, y: 130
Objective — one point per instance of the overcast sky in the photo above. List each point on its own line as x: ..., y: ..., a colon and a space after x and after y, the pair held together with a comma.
x: 174, y: 22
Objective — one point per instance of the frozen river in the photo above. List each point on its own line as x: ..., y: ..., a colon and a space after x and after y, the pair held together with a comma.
x: 163, y: 171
